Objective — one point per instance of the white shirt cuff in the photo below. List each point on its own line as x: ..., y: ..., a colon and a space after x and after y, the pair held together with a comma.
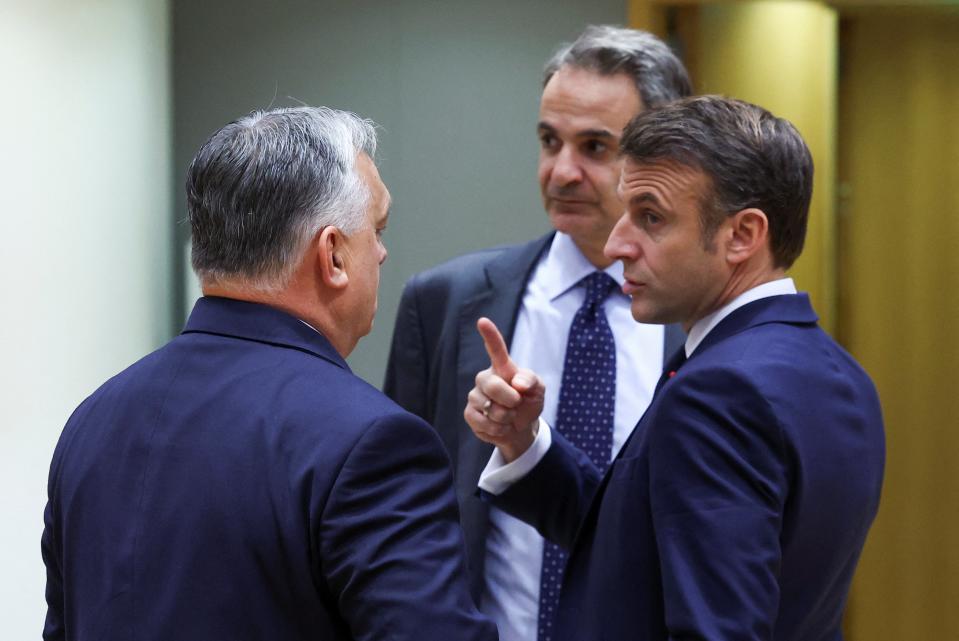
x: 499, y: 475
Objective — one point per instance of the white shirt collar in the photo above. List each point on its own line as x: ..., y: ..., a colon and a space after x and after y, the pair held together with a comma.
x: 565, y: 265
x: 704, y: 325
x: 310, y: 326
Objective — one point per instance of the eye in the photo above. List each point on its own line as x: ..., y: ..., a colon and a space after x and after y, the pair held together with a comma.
x: 595, y: 147
x: 548, y: 140
x: 650, y: 218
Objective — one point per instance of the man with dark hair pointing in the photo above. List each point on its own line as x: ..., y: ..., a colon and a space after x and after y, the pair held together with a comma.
x: 739, y: 505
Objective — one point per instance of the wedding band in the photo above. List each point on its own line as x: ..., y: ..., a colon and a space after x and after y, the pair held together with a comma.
x: 486, y: 406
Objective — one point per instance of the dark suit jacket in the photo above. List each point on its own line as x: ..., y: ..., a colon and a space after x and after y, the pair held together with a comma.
x: 738, y: 508
x: 241, y: 483
x: 437, y: 352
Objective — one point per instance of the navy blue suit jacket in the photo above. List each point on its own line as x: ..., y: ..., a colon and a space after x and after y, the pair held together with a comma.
x: 241, y: 483
x: 739, y: 506
x: 437, y: 352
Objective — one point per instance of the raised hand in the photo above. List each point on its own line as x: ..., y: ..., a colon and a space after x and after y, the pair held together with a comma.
x: 503, y: 407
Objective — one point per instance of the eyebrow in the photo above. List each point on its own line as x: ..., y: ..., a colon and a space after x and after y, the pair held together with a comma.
x: 585, y: 133
x: 644, y: 198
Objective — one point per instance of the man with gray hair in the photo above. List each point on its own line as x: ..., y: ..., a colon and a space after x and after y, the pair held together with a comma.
x: 559, y: 303
x: 240, y: 482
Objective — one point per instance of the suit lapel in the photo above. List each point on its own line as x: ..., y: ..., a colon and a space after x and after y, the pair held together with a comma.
x: 673, y: 338
x: 794, y: 308
x: 506, y: 278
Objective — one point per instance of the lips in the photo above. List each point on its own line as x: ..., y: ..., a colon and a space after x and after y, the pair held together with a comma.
x: 567, y: 200
x: 630, y: 287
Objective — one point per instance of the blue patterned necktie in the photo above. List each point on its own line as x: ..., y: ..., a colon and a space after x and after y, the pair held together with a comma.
x: 587, y: 398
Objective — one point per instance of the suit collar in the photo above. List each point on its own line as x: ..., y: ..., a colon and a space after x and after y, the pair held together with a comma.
x: 260, y: 323
x: 788, y: 308
x: 704, y: 325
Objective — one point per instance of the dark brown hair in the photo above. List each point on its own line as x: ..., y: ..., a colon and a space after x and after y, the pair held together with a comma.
x: 752, y: 158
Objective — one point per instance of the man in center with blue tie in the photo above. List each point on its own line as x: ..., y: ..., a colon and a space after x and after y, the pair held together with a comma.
x: 559, y: 303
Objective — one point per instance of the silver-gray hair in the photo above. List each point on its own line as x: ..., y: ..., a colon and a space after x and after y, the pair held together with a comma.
x: 658, y: 74
x: 262, y: 186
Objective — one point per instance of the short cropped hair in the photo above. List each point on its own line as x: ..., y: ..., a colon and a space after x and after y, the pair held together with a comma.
x: 752, y: 158
x: 262, y: 186
x: 658, y: 74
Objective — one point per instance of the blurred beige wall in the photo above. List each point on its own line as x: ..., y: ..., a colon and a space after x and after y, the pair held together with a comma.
x: 899, y: 306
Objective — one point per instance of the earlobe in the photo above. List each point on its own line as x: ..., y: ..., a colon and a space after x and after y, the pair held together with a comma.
x: 330, y: 249
x: 749, y: 229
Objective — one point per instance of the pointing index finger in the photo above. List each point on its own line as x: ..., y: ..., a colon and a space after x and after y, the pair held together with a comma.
x: 503, y: 365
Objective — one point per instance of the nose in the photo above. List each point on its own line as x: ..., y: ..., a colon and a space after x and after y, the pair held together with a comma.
x: 618, y: 246
x: 566, y: 168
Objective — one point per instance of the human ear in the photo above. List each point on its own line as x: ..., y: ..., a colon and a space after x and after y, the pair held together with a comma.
x: 330, y: 248
x: 749, y: 231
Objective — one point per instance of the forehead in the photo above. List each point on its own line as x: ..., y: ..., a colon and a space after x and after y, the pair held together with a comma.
x: 664, y: 181
x: 577, y: 99
x: 379, y: 194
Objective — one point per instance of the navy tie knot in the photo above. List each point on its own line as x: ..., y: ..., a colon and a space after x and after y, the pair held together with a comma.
x: 599, y: 285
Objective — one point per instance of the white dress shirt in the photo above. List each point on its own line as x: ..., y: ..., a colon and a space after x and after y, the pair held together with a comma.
x: 499, y: 475
x: 514, y: 550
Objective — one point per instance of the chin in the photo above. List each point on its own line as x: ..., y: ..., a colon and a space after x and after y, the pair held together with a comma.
x: 643, y: 314
x: 569, y: 217
x: 366, y: 331
x: 579, y: 225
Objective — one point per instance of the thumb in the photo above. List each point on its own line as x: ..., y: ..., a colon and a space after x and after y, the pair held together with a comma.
x: 526, y: 382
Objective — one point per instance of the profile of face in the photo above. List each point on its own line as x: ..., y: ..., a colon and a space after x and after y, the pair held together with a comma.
x: 364, y: 252
x: 672, y: 273
x: 581, y: 118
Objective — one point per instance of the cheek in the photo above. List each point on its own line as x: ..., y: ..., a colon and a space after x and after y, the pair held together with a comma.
x: 606, y: 180
x: 612, y: 170
x: 543, y: 171
x: 696, y: 268
x: 666, y: 261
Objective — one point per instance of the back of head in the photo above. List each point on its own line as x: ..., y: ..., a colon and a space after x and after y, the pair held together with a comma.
x: 658, y: 74
x: 262, y: 186
x: 752, y: 158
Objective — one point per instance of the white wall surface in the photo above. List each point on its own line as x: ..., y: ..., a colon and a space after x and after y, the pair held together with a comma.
x: 85, y: 250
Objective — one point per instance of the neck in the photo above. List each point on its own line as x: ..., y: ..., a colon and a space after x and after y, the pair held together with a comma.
x: 296, y: 304
x: 241, y: 290
x: 739, y: 282
x: 594, y: 255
